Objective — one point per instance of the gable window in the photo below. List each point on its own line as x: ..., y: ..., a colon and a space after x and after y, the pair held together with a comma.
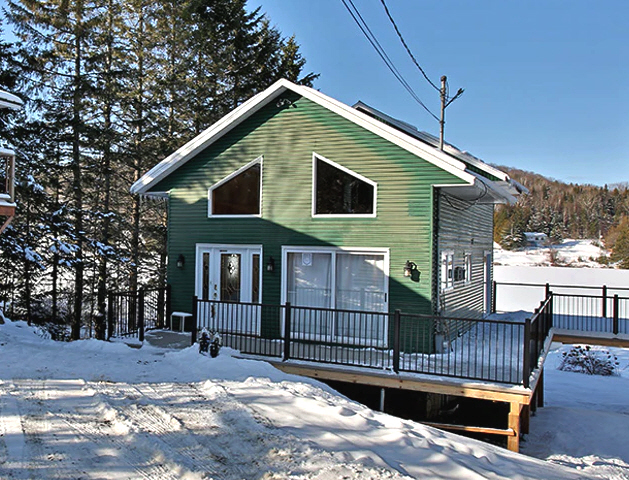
x: 239, y: 193
x: 340, y: 191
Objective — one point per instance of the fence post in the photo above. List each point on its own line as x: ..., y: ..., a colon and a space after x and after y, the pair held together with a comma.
x: 287, y: 327
x: 141, y: 314
x: 616, y: 314
x: 161, y: 293
x: 547, y: 290
x: 193, y: 334
x: 168, y: 306
x: 397, y: 321
x: 526, y: 364
x: 604, y: 301
x: 494, y: 291
x: 110, y: 314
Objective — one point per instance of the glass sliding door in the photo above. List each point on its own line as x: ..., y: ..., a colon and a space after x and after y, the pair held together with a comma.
x: 310, y: 285
x: 360, y: 285
x: 339, y: 280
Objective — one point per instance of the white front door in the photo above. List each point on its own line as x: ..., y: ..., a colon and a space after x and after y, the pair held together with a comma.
x: 229, y: 274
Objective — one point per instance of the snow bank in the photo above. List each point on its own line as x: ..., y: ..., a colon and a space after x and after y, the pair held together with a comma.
x: 98, y: 410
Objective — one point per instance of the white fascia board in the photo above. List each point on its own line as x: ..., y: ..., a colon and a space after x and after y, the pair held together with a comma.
x: 434, y: 142
x: 204, y: 139
x: 498, y: 191
x: 401, y: 139
x: 8, y: 100
x: 248, y: 108
x: 6, y: 152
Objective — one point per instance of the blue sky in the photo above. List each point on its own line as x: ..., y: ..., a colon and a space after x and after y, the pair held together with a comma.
x: 546, y: 82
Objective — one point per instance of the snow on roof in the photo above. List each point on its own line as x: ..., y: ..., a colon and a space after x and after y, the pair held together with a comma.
x: 399, y: 136
x: 8, y: 100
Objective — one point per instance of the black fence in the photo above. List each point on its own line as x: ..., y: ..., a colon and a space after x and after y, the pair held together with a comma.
x: 477, y: 349
x: 592, y: 313
x: 512, y: 296
x: 131, y: 313
x: 580, y: 308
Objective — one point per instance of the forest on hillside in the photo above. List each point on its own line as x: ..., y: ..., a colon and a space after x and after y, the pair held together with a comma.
x: 562, y: 210
x: 110, y: 88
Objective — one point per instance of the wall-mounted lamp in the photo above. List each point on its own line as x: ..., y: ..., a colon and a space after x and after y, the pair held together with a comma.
x: 270, y: 265
x: 181, y: 261
x: 411, y: 271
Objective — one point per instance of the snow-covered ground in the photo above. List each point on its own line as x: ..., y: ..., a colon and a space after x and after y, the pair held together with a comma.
x: 572, y: 253
x: 91, y: 409
x: 532, y: 266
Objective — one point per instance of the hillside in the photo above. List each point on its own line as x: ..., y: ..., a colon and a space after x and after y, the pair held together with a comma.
x: 563, y: 210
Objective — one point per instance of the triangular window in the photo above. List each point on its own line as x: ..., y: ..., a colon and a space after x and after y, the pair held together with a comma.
x: 238, y: 193
x: 340, y: 191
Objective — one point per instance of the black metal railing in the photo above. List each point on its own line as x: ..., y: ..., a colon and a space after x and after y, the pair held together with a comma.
x: 478, y: 349
x: 592, y: 313
x: 536, y: 332
x: 527, y: 295
x: 131, y: 313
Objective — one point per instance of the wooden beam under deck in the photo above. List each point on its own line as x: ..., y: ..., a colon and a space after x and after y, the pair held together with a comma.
x: 568, y: 337
x: 518, y: 398
x: 481, y: 391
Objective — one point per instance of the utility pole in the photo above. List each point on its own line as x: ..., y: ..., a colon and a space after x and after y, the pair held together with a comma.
x: 442, y: 121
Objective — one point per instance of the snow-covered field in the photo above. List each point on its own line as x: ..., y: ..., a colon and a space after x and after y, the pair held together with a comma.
x: 531, y: 266
x: 91, y: 409
x: 573, y: 253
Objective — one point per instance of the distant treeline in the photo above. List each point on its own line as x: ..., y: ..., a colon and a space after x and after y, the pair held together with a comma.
x: 565, y: 210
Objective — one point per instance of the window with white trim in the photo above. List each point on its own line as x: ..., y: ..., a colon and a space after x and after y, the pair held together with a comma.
x: 467, y: 261
x: 447, y: 270
x: 340, y: 191
x: 238, y: 194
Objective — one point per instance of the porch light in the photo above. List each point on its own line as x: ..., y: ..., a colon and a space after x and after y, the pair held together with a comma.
x: 409, y: 268
x: 270, y: 265
x: 181, y: 261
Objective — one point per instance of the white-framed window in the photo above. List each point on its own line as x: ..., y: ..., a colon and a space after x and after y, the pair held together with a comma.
x: 345, y: 279
x: 447, y: 270
x: 340, y: 192
x: 239, y: 194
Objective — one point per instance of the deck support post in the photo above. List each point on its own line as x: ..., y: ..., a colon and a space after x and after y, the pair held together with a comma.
x: 525, y: 419
x: 513, y: 441
x: 382, y: 394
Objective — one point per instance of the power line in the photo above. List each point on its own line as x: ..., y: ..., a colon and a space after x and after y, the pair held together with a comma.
x: 408, y: 50
x: 382, y: 53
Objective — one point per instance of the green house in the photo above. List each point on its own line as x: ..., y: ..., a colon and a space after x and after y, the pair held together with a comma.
x: 296, y: 197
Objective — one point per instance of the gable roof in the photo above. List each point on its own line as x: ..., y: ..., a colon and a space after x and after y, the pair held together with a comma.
x: 479, y: 187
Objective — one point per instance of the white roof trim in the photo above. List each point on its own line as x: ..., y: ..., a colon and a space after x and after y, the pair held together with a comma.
x: 248, y: 108
x: 6, y: 152
x: 434, y: 142
x: 8, y: 100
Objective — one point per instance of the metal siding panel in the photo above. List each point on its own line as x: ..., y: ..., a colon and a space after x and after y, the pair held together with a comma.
x: 287, y: 138
x: 465, y: 227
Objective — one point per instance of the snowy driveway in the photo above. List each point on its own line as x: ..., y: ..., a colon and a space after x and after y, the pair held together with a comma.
x: 71, y: 429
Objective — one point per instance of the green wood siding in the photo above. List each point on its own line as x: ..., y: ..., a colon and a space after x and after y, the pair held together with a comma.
x: 286, y: 138
x: 464, y: 228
